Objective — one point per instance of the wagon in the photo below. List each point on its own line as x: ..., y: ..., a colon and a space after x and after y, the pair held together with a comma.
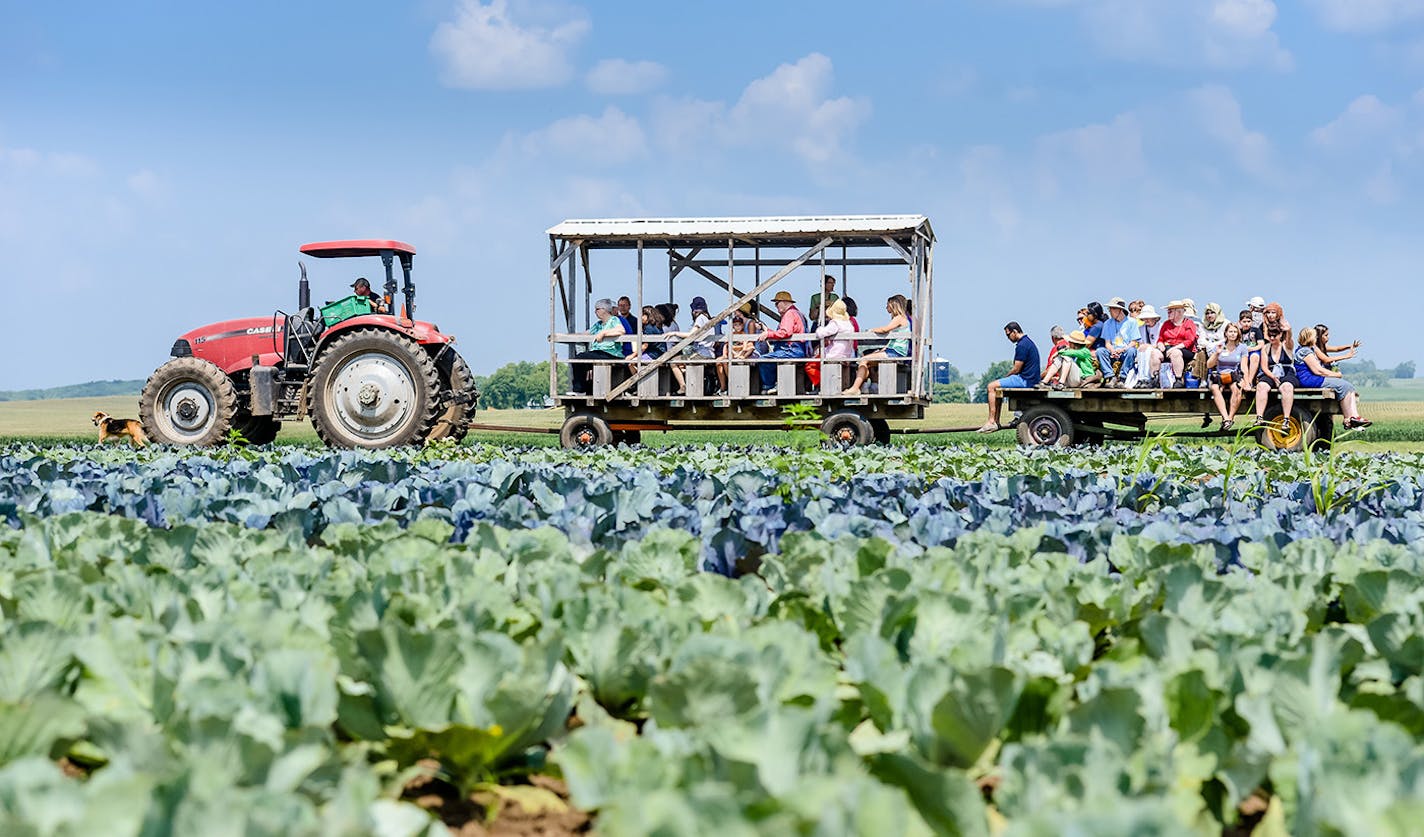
x: 1048, y: 417
x: 732, y: 262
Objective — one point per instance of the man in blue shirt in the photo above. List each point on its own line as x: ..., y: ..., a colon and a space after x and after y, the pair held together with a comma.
x: 1026, y: 372
x: 1121, y: 335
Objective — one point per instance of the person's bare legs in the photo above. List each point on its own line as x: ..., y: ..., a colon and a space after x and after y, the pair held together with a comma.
x: 1236, y: 394
x: 1179, y: 364
x: 1350, y: 406
x: 862, y: 373
x: 1220, y: 402
x: 1287, y: 402
x: 678, y: 376
x: 995, y: 401
x: 1154, y: 363
x: 1263, y: 392
x: 722, y: 377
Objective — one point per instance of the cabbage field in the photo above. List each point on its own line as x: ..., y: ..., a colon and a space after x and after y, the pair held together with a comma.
x: 711, y: 640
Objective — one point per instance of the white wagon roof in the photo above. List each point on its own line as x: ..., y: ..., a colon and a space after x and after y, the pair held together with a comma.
x: 782, y: 228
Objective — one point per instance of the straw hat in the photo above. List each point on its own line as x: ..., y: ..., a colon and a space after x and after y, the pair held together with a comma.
x: 1118, y: 302
x: 1176, y: 303
x: 1078, y: 337
x: 782, y: 296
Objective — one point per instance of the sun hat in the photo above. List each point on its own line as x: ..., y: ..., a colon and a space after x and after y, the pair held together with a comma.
x: 837, y: 311
x: 746, y: 308
x: 1078, y: 337
x: 783, y: 296
x: 1176, y: 303
x: 1148, y: 313
x: 1117, y: 302
x: 699, y: 304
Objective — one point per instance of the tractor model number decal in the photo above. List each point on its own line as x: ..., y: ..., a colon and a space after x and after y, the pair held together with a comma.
x: 242, y: 332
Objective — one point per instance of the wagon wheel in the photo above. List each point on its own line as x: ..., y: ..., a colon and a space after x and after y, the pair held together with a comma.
x: 1303, y: 430
x: 847, y: 429
x: 582, y: 431
x: 1045, y: 427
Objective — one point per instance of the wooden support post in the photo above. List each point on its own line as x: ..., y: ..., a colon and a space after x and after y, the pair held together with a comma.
x: 652, y: 385
x: 831, y: 383
x: 602, y: 379
x: 695, y: 375
x: 786, y: 374
x: 888, y: 378
x: 739, y: 380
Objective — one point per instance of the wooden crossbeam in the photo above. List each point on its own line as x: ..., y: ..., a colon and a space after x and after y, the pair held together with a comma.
x: 679, y: 262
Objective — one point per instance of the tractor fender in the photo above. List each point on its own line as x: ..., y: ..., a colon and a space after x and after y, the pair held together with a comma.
x: 424, y: 333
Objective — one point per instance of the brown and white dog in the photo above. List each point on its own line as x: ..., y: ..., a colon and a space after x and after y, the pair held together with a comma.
x: 116, y: 428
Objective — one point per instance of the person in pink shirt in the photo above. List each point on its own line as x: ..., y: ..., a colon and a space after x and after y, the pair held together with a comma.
x: 1177, y: 340
x: 792, y: 323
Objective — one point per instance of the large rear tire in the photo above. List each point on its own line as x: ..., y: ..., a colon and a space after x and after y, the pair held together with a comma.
x: 456, y: 379
x: 187, y: 401
x: 1045, y: 427
x: 372, y: 388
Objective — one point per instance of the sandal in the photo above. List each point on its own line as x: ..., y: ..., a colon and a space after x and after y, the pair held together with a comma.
x: 1227, y: 425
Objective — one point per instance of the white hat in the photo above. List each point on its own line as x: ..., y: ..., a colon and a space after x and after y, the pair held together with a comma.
x: 1255, y: 302
x: 1148, y: 313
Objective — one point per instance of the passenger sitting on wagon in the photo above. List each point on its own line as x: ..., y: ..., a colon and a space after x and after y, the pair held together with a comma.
x: 1149, y: 354
x: 838, y: 345
x: 1313, y: 373
x: 1326, y: 352
x: 603, y: 347
x: 829, y: 283
x: 1274, y: 315
x: 1176, y: 340
x: 1058, y: 341
x: 1093, y: 325
x: 1024, y: 373
x: 900, y: 325
x: 630, y: 325
x: 1121, y: 336
x: 1224, y: 376
x: 742, y: 323
x: 652, y: 326
x: 699, y: 349
x: 1277, y: 373
x: 853, y: 311
x: 1072, y: 366
x: 668, y: 310
x: 782, y: 348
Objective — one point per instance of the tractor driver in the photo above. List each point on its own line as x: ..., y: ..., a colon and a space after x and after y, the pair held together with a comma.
x: 363, y: 288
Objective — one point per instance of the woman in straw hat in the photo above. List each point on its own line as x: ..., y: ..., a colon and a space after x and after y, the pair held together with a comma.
x: 1072, y: 366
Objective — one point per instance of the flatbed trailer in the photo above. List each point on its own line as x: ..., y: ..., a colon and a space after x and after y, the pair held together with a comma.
x: 1091, y: 415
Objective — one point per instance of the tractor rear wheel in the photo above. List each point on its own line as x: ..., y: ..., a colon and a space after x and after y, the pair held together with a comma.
x: 187, y: 401
x: 456, y: 379
x: 256, y: 430
x: 373, y: 388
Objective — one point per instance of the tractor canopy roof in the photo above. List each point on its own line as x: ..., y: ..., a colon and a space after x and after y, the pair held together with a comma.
x: 355, y: 247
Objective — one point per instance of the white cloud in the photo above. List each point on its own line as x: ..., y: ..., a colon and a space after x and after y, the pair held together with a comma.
x: 1366, y: 15
x: 1111, y: 151
x: 791, y: 108
x: 1365, y: 118
x: 610, y: 138
x: 486, y: 48
x: 617, y: 77
x: 1220, y: 116
x: 62, y: 163
x: 1183, y: 33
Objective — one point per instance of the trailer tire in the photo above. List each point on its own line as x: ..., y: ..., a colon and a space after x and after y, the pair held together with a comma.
x: 583, y: 431
x: 1045, y: 427
x: 187, y: 401
x: 847, y: 429
x: 1304, y: 430
x: 881, y: 430
x: 373, y: 388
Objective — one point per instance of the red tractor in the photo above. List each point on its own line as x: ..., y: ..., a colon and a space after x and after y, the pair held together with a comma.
x: 366, y: 380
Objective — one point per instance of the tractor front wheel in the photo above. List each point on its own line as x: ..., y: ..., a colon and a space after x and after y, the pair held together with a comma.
x: 373, y: 388
x: 187, y: 401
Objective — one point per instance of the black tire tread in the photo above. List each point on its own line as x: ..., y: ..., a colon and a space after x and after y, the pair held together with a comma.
x: 420, y: 365
x: 189, y: 368
x: 454, y: 422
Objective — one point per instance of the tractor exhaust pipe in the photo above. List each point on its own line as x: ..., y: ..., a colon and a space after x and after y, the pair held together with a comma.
x: 303, y: 290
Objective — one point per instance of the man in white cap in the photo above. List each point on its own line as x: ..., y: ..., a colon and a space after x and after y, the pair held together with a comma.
x: 1121, y: 336
x: 1257, y: 306
x: 1177, y: 340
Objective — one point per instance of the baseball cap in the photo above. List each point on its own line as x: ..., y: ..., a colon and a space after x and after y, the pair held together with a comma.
x: 1255, y: 302
x: 699, y: 304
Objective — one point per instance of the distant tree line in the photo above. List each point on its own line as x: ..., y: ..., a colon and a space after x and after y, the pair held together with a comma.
x: 1364, y: 373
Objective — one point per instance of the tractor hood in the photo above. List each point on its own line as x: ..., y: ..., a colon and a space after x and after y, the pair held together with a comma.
x: 232, y: 344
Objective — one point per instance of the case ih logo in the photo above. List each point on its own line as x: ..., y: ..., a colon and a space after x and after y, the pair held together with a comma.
x: 241, y: 332
x: 260, y: 330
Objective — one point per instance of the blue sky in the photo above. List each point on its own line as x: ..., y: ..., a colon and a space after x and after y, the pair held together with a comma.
x: 161, y: 162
